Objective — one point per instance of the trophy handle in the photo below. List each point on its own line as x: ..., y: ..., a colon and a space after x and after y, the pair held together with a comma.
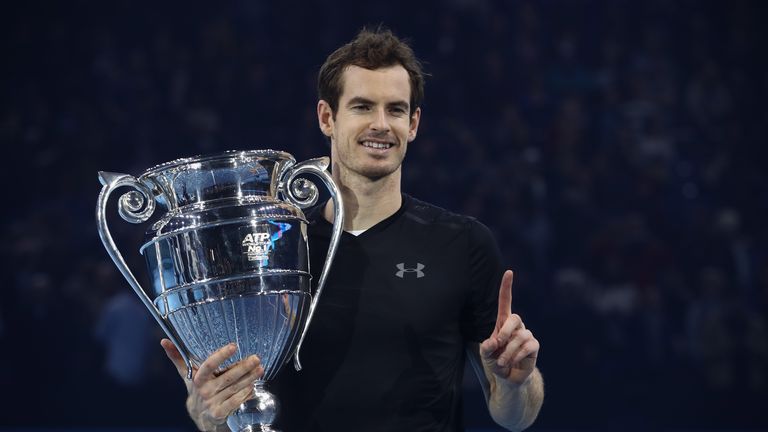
x: 303, y: 194
x: 135, y: 207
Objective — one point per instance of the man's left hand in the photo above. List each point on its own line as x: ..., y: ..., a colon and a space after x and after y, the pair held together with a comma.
x: 511, y: 350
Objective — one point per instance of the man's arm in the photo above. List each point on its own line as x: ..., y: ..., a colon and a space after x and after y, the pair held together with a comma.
x: 505, y: 364
x: 514, y: 407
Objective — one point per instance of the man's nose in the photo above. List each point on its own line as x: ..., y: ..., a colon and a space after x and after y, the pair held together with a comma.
x: 380, y: 122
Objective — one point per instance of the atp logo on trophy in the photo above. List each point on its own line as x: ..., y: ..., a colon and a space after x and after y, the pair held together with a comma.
x: 258, y: 241
x: 256, y: 246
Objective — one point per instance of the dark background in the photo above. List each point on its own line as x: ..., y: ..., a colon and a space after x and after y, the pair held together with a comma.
x: 614, y: 147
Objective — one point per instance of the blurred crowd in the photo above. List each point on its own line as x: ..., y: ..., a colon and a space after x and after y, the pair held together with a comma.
x: 614, y: 147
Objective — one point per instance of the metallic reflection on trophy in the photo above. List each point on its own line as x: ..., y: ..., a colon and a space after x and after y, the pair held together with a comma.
x: 229, y: 258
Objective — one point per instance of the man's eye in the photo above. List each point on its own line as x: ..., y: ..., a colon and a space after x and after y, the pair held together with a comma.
x: 360, y: 107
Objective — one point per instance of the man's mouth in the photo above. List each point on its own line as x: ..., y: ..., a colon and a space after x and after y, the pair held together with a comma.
x: 379, y: 145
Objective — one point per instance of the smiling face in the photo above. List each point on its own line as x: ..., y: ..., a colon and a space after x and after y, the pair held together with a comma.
x: 373, y: 124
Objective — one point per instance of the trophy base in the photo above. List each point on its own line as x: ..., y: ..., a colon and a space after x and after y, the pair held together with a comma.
x: 257, y: 428
x: 257, y: 413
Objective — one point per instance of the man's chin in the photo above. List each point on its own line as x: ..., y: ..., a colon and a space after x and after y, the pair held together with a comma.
x: 377, y: 173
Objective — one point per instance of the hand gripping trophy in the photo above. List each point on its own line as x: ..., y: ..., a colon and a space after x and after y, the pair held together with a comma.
x: 229, y: 258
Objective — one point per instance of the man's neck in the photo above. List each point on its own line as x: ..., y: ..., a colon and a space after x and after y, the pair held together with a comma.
x: 366, y: 202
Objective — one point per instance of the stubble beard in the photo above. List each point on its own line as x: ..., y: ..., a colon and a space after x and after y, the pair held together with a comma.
x: 371, y: 172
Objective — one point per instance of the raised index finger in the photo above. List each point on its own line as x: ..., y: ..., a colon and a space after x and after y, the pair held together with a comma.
x: 208, y: 368
x: 505, y: 297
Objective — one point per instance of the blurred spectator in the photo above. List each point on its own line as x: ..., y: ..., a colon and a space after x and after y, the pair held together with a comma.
x: 126, y: 330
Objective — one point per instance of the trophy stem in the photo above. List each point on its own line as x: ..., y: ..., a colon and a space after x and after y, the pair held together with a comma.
x: 257, y: 413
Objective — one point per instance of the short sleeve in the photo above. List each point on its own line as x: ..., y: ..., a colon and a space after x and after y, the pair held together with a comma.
x: 485, y: 273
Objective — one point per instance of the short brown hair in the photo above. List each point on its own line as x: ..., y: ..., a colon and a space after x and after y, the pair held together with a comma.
x: 370, y: 49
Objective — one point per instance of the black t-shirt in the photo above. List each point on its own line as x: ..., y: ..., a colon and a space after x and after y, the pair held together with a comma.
x: 385, y: 350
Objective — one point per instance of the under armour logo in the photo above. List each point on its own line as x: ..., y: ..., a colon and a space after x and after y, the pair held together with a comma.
x: 402, y: 270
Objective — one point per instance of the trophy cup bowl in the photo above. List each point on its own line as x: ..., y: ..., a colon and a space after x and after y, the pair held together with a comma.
x: 228, y: 259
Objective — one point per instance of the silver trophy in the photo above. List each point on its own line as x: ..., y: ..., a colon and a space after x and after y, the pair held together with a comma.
x: 229, y: 258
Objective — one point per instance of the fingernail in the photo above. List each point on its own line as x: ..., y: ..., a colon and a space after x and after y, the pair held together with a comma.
x: 232, y: 347
x: 254, y: 360
x: 501, y: 363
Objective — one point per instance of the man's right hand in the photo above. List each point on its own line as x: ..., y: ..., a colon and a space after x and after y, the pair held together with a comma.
x: 213, y: 396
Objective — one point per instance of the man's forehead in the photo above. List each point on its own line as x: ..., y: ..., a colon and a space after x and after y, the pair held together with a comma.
x: 390, y: 82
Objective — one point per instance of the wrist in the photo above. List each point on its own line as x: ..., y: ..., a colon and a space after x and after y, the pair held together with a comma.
x: 200, y: 421
x: 506, y: 391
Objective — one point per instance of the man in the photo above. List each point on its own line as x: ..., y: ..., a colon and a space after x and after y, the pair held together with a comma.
x: 413, y: 291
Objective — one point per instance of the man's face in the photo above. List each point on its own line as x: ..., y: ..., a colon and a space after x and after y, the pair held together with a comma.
x: 372, y: 127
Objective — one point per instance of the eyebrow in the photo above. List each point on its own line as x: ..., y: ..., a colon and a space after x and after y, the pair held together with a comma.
x: 361, y: 100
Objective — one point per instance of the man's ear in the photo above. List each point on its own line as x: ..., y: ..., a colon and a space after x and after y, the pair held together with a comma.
x: 325, y: 117
x: 413, y: 128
